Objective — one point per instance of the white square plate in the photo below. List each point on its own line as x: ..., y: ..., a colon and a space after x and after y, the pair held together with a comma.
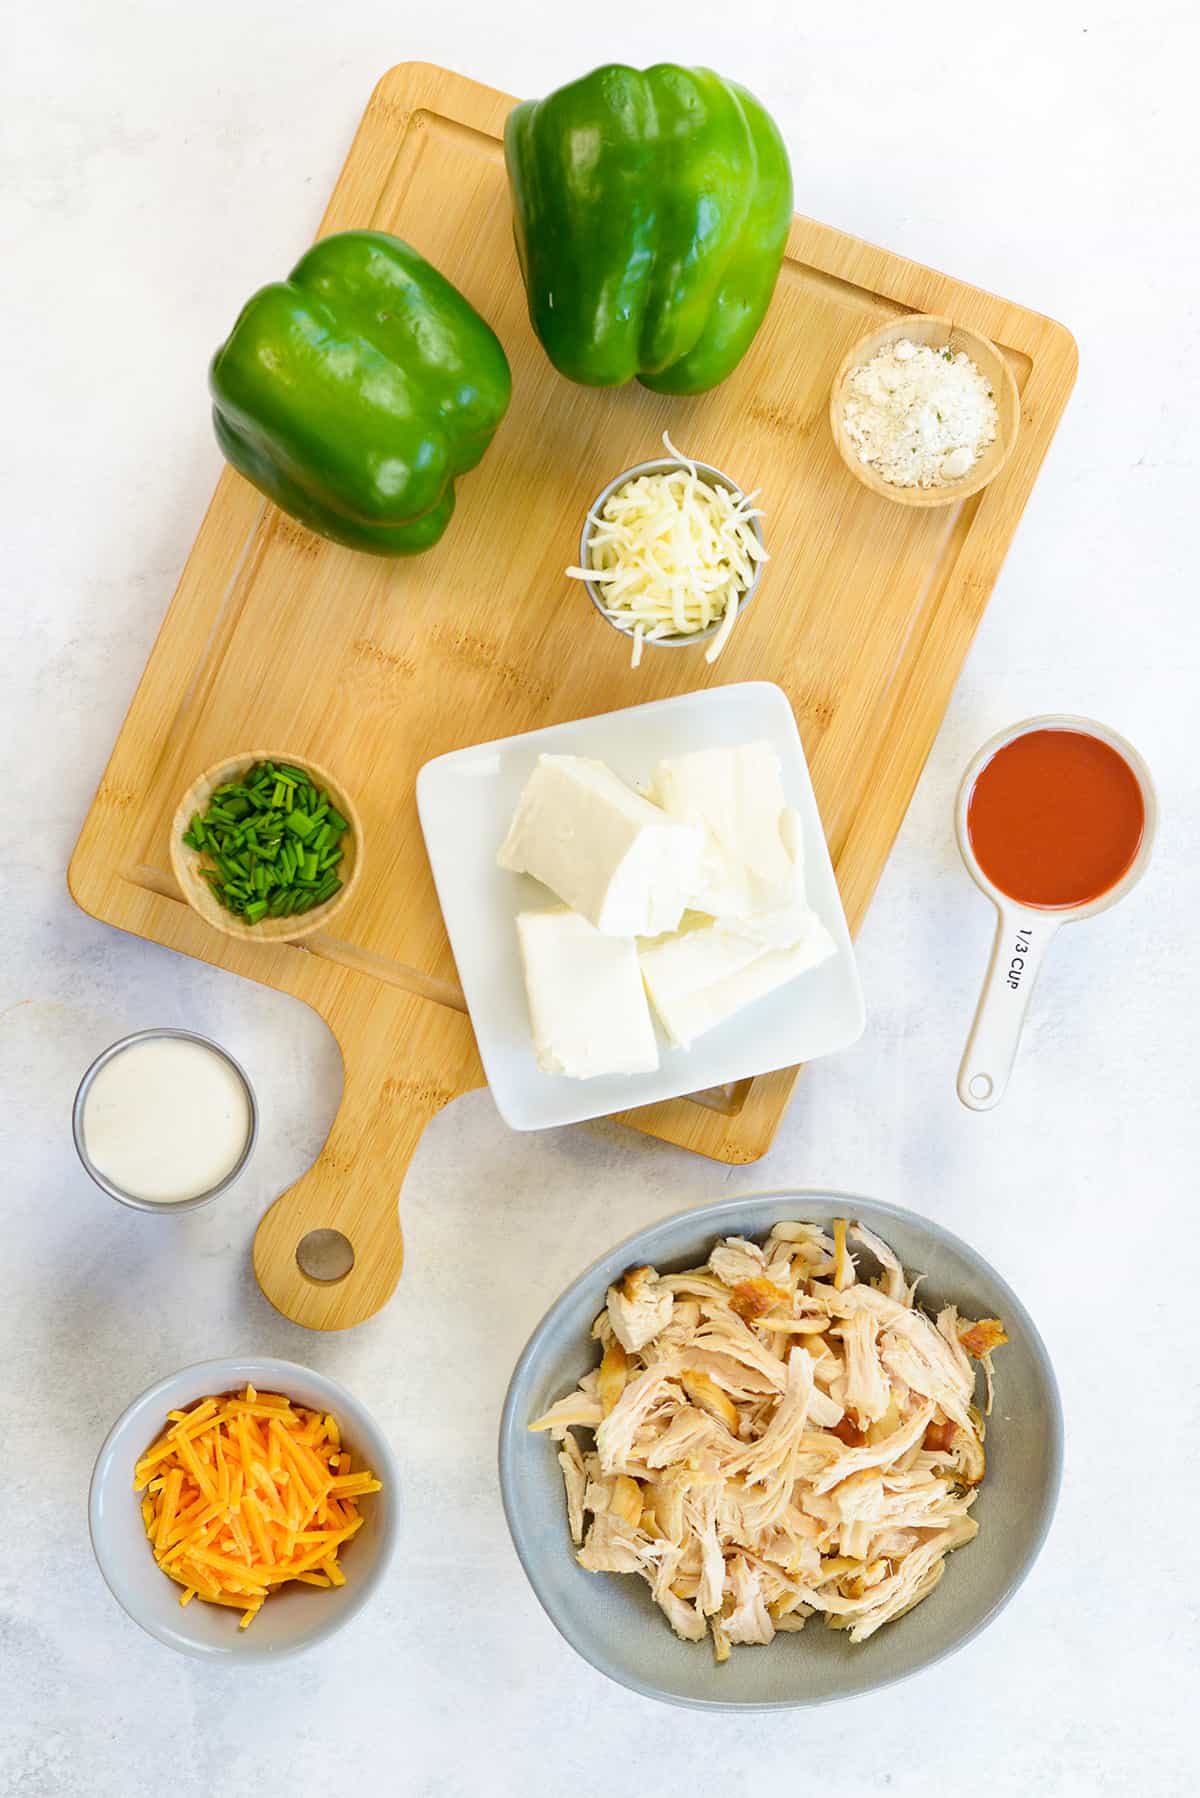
x: 466, y: 800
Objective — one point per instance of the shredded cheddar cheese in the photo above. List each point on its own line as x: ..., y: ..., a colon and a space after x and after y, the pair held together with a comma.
x: 673, y: 554
x: 245, y: 1492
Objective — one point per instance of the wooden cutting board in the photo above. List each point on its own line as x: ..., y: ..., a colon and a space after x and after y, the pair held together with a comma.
x: 865, y: 614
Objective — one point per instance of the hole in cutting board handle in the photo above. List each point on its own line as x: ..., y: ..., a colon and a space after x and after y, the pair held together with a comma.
x: 324, y: 1256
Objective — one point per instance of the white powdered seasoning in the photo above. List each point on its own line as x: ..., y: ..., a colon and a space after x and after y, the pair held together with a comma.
x: 919, y: 416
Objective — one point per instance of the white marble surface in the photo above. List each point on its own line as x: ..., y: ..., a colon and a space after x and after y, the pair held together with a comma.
x: 159, y: 162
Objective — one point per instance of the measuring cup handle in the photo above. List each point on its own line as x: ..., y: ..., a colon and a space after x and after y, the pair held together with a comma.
x: 1022, y: 938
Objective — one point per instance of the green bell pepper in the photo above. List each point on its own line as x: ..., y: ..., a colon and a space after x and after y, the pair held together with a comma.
x: 356, y: 391
x: 650, y: 212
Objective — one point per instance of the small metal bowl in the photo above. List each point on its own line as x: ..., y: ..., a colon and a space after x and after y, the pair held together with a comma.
x: 664, y: 465
x: 161, y: 1205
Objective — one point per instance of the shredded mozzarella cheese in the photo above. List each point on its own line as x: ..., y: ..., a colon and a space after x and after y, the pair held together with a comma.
x: 672, y: 555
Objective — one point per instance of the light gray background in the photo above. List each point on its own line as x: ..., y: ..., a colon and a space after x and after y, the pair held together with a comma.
x: 160, y: 161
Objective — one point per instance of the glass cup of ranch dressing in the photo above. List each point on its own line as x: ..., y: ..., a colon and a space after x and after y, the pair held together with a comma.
x: 1056, y: 819
x: 165, y: 1120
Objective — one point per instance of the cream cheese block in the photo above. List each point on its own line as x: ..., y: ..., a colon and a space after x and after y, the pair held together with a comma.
x: 606, y: 852
x: 702, y: 976
x: 735, y: 797
x: 587, y: 1003
x: 783, y: 926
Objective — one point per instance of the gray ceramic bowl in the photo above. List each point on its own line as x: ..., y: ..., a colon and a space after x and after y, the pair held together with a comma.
x: 612, y: 1620
x: 296, y: 1617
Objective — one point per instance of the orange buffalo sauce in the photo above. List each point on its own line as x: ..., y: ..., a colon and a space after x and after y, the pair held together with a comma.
x: 1056, y: 818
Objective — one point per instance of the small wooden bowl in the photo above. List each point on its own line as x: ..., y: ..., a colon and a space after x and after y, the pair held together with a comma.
x: 186, y: 863
x: 928, y: 328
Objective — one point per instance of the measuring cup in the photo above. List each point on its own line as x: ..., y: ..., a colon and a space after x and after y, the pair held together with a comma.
x: 1024, y: 932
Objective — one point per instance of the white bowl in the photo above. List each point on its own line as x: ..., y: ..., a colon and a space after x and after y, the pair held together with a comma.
x: 293, y: 1618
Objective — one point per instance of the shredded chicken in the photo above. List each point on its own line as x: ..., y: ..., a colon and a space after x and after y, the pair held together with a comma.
x: 776, y: 1435
x: 570, y: 1459
x: 638, y: 1308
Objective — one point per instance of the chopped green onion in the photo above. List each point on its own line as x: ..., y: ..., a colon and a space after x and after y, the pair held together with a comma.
x: 273, y: 841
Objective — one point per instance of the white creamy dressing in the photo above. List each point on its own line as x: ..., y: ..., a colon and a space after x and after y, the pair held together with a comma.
x: 166, y: 1119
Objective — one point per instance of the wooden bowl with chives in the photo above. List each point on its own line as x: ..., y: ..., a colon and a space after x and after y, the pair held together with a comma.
x: 301, y: 838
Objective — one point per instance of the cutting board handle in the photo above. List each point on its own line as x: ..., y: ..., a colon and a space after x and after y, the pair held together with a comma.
x: 413, y: 1057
